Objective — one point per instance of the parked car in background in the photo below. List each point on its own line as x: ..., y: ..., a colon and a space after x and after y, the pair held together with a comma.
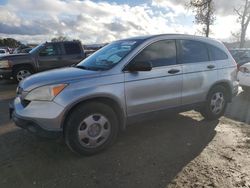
x: 22, y: 49
x: 46, y: 56
x: 92, y: 48
x: 25, y: 50
x: 131, y: 78
x: 244, y: 77
x: 241, y: 55
x: 3, y: 52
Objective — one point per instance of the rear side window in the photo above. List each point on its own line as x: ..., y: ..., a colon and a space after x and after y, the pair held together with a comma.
x: 161, y: 53
x: 72, y: 48
x: 49, y: 50
x: 192, y: 51
x: 216, y: 53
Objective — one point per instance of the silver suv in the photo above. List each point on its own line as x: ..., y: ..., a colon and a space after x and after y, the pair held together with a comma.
x: 90, y: 103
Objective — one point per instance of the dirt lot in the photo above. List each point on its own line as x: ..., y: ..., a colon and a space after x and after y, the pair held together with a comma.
x: 180, y: 150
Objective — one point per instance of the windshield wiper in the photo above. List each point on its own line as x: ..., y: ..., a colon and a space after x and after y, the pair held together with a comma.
x: 92, y: 68
x: 82, y: 67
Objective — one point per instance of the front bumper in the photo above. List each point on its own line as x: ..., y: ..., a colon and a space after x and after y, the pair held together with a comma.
x: 235, y: 90
x: 5, y: 73
x: 244, y: 79
x: 42, y: 119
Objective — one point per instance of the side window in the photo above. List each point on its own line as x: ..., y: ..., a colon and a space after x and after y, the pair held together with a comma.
x: 161, y: 53
x: 72, y: 48
x: 216, y: 53
x: 192, y: 51
x: 49, y: 50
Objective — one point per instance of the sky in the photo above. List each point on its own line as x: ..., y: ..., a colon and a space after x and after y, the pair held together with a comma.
x: 100, y: 21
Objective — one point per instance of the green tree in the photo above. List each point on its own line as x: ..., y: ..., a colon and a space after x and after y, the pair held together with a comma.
x: 10, y: 42
x: 204, y: 14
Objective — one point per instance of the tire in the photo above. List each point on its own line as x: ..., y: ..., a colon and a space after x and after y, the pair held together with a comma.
x: 91, y: 128
x: 22, y: 72
x: 246, y: 89
x: 216, y: 103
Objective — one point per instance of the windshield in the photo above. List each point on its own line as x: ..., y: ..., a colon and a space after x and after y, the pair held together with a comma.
x: 109, y: 56
x: 37, y: 48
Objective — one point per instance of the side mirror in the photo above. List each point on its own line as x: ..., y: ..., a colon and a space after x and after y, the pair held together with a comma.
x: 140, y: 66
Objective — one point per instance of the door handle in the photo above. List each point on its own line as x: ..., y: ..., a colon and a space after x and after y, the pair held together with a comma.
x: 210, y: 66
x: 173, y: 71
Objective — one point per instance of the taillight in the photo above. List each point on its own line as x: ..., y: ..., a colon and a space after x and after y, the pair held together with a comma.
x: 238, y: 66
x: 244, y: 70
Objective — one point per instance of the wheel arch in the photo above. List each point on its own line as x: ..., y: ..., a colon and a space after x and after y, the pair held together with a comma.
x: 226, y: 85
x: 15, y: 67
x: 105, y: 100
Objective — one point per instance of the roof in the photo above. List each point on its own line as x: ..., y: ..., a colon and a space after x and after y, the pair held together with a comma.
x: 146, y: 37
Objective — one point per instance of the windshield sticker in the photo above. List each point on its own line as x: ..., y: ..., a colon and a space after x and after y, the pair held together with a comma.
x: 128, y: 43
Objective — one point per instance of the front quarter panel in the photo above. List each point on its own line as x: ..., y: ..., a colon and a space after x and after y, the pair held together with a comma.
x: 109, y: 86
x: 21, y: 59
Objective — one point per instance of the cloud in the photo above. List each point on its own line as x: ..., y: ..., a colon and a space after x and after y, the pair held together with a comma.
x: 222, y: 7
x: 96, y: 22
x: 224, y: 26
x: 33, y: 29
x: 226, y: 7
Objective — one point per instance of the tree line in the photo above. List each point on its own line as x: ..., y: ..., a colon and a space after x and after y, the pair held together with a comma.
x: 10, y: 42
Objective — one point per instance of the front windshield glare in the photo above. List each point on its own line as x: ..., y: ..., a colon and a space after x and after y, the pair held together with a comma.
x: 108, y: 56
x: 36, y: 48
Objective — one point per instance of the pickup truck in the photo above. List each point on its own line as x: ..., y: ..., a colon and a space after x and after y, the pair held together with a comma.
x: 49, y: 55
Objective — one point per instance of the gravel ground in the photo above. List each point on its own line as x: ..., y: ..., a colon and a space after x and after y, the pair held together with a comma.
x: 179, y: 150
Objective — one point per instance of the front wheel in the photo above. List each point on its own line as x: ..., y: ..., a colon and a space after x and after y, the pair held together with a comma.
x: 91, y: 128
x: 216, y: 103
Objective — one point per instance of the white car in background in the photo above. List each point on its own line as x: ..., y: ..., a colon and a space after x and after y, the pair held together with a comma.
x: 3, y: 52
x: 244, y: 77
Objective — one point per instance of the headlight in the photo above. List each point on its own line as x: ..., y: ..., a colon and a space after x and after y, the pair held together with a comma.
x: 4, y: 64
x: 45, y: 93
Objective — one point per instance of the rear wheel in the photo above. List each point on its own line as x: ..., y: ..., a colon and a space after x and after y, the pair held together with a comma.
x: 91, y: 128
x: 216, y: 103
x: 21, y: 73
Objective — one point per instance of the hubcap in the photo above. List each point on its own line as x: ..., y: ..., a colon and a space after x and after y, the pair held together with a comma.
x: 217, y: 102
x: 23, y: 74
x: 94, y: 130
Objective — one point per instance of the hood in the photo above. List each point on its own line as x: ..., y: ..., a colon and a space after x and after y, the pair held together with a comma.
x: 63, y: 75
x: 10, y: 56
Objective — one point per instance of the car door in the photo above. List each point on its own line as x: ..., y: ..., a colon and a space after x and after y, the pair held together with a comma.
x: 49, y: 57
x: 159, y: 88
x: 72, y: 53
x: 199, y: 72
